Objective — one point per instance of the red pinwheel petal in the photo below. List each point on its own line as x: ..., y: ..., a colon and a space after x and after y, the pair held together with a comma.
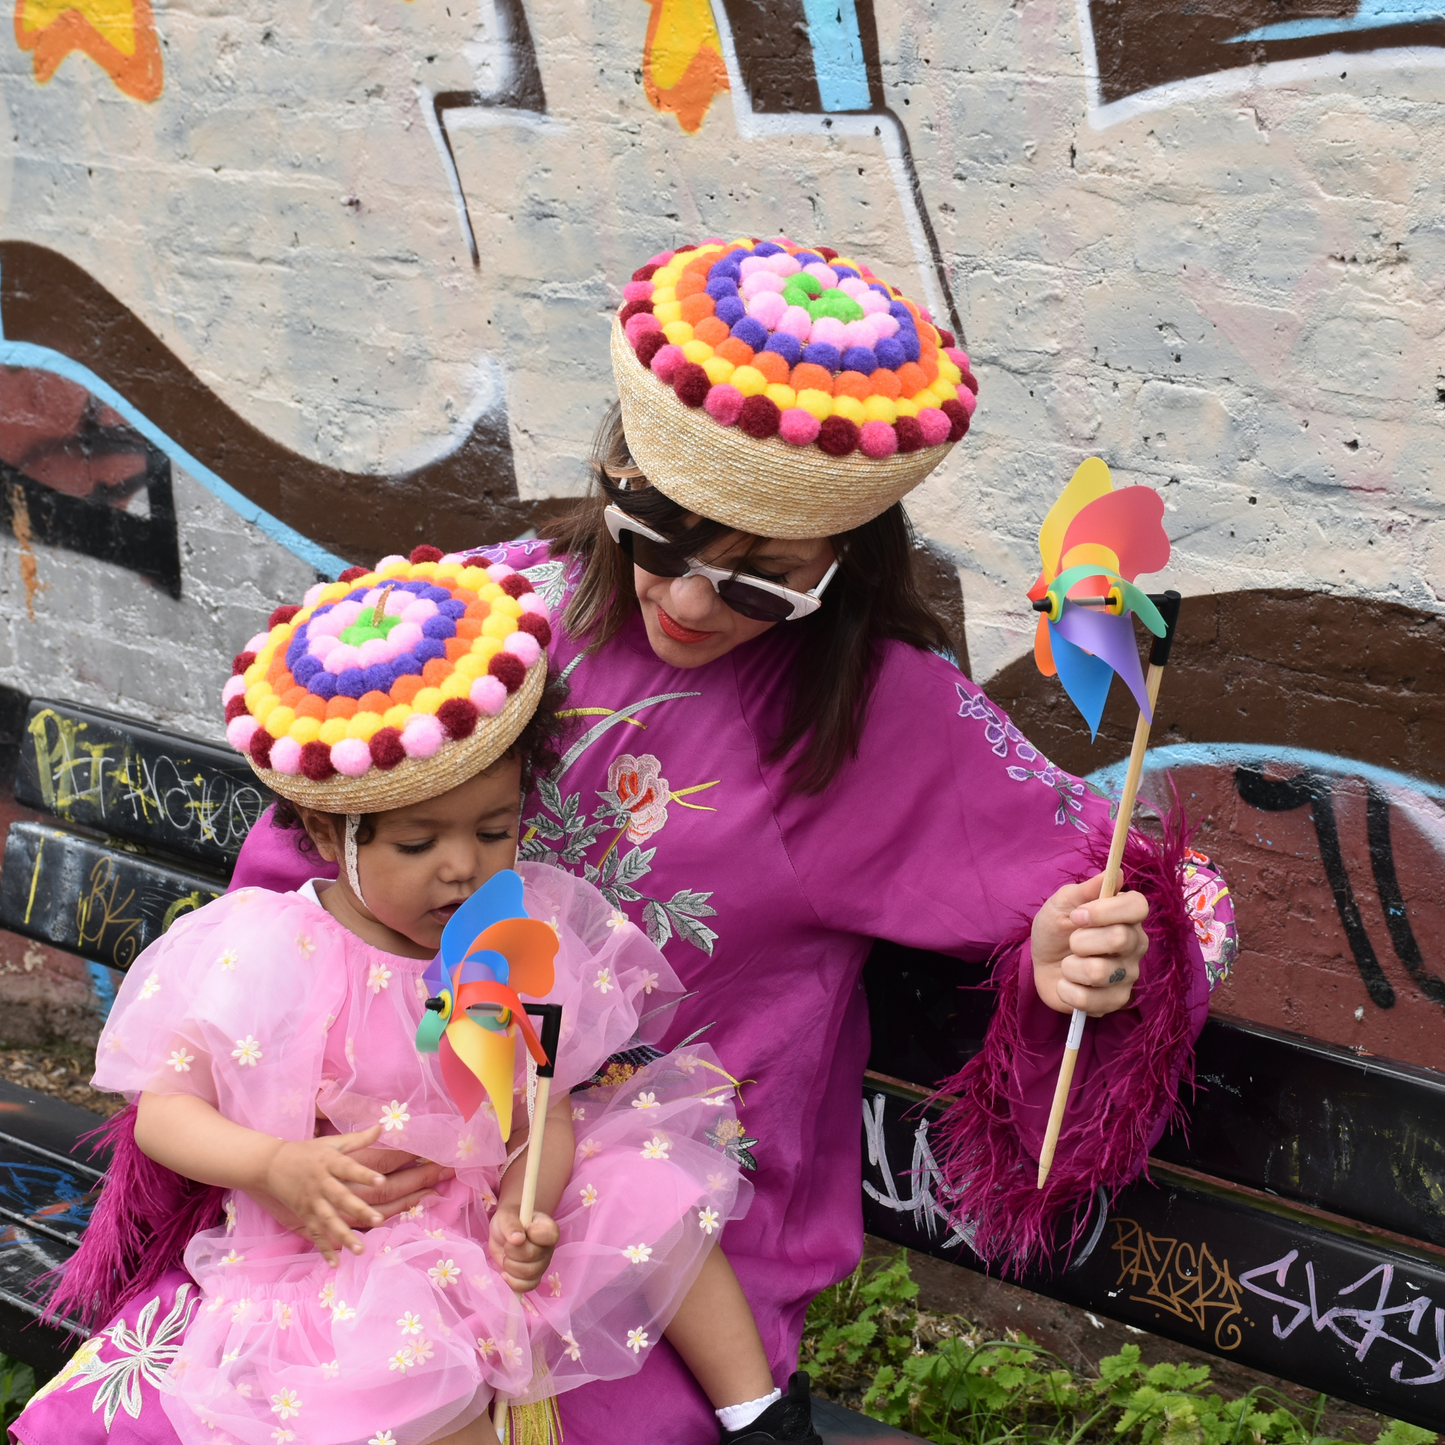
x: 530, y: 948
x: 463, y: 1085
x: 1130, y: 522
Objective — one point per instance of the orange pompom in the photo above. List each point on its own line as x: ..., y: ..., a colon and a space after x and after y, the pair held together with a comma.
x: 469, y: 628
x: 435, y: 672
x: 710, y: 330
x: 773, y: 365
x: 341, y: 706
x: 690, y: 283
x: 735, y: 350
x: 456, y: 647
x: 911, y: 378
x: 376, y: 702
x: 697, y: 308
x: 312, y: 706
x: 292, y: 695
x: 479, y: 611
x: 851, y: 383
x: 928, y: 360
x: 885, y: 383
x: 404, y: 689
x: 465, y: 594
x: 808, y: 377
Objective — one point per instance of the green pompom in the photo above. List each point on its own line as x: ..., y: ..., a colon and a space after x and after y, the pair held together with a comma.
x: 837, y: 304
x: 801, y: 288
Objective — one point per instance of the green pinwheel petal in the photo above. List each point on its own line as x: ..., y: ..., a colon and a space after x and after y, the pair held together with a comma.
x: 429, y: 1032
x: 1135, y: 599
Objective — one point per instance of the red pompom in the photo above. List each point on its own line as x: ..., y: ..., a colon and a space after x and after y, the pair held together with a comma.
x: 458, y: 717
x: 241, y: 662
x: 508, y: 670
x: 651, y: 343
x: 236, y: 707
x: 260, y: 748
x: 386, y: 748
x: 945, y: 337
x: 691, y: 383
x: 645, y: 273
x: 838, y: 436
x: 351, y: 574
x: 760, y: 417
x: 634, y: 308
x: 910, y: 434
x: 316, y: 761
x: 828, y: 254
x: 538, y: 626
x: 681, y: 249
x: 515, y: 585
x: 954, y: 411
x: 425, y: 554
x: 969, y: 381
x: 280, y: 615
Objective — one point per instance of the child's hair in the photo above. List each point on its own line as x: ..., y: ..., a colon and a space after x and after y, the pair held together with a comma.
x: 538, y: 745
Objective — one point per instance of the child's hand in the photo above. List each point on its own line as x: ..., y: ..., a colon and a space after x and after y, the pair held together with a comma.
x: 310, y: 1179
x: 522, y: 1254
x: 1086, y: 950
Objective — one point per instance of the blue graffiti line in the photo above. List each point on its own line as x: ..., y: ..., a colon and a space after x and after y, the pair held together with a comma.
x: 37, y: 1189
x: 42, y: 358
x: 1372, y: 15
x: 837, y: 54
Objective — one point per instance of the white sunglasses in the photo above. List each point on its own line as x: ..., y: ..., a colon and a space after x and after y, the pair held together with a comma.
x: 753, y: 597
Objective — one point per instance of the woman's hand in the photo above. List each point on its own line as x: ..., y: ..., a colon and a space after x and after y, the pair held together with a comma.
x: 310, y: 1178
x: 407, y: 1181
x: 522, y: 1254
x: 1086, y: 949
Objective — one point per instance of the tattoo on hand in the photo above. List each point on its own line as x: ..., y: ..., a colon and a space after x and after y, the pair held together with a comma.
x: 1118, y: 975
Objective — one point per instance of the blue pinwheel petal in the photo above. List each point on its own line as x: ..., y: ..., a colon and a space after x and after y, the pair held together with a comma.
x: 484, y: 966
x: 498, y: 898
x: 1085, y: 678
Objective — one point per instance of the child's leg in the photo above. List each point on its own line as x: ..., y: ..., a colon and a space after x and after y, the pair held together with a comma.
x: 479, y: 1432
x: 714, y: 1332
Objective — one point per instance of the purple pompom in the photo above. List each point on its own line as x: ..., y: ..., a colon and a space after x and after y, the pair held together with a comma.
x: 436, y: 594
x: 453, y: 608
x: 788, y: 347
x: 807, y: 258
x: 767, y: 248
x: 427, y: 649
x: 379, y: 677
x: 730, y: 310
x: 439, y: 627
x: 900, y: 313
x: 820, y: 353
x: 752, y: 331
x: 889, y: 353
x: 406, y: 665
x: 351, y: 682
x: 322, y: 685
x: 295, y: 653
x: 305, y: 669
x: 846, y: 271
x: 908, y: 340
x: 721, y: 287
x: 726, y: 269
x: 860, y: 358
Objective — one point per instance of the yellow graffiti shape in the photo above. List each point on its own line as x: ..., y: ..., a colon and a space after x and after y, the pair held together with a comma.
x: 682, y: 64
x: 119, y: 35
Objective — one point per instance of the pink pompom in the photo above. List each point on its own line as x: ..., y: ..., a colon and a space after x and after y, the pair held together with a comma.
x: 422, y: 735
x: 859, y: 333
x: 874, y: 303
x: 235, y: 687
x: 342, y: 656
x: 797, y: 427
x: 286, y: 756
x: 488, y: 695
x: 934, y: 425
x: 531, y: 602
x: 661, y: 259
x: 390, y: 561
x: 751, y: 265
x: 257, y: 642
x: 375, y: 650
x: 498, y: 571
x: 724, y: 403
x: 460, y: 558
x: 350, y: 756
x: 782, y: 264
x: 968, y: 401
x: 852, y: 286
x: 796, y: 321
x: 926, y: 314
x: 239, y: 731
x: 877, y: 439
x: 327, y: 625
x: 347, y: 612
x: 419, y: 611
x: 312, y: 595
x: 768, y: 308
x: 666, y: 362
x: 830, y: 330
x: 884, y: 324
x: 957, y: 357
x: 759, y: 282
x: 638, y: 326
x: 323, y: 645
x: 637, y: 291
x: 405, y: 636
x: 523, y: 646
x: 823, y: 273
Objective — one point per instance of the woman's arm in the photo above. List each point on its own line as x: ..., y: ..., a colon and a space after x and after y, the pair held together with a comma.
x: 523, y: 1255
x: 190, y: 1136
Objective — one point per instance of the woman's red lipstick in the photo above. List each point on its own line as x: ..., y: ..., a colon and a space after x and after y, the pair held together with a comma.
x: 677, y: 631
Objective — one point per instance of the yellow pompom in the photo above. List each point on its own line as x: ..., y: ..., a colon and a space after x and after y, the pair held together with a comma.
x: 333, y: 592
x: 457, y: 685
x: 498, y: 625
x: 471, y: 666
x: 944, y: 390
x: 927, y: 398
x: 850, y: 407
x: 663, y: 293
x: 844, y: 261
x: 257, y: 690
x: 332, y: 730
x: 303, y: 616
x: 427, y: 570
x: 364, y: 725
x: 948, y: 369
x: 781, y: 395
x: 395, y: 717
x: 279, y: 720
x: 448, y: 571
x: 697, y: 351
x: 749, y: 380
x: 486, y: 648
x: 904, y: 407
x: 490, y: 592
x: 678, y: 332
x: 815, y: 402
x: 879, y: 408
x: 667, y: 312
x: 718, y: 368
x: 475, y: 578
x: 429, y: 699
x: 305, y: 730
x: 507, y: 606
x: 392, y: 569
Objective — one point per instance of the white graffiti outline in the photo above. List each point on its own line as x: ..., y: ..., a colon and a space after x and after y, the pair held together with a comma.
x: 927, y: 1212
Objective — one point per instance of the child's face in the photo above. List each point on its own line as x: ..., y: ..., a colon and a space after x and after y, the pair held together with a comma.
x: 424, y: 861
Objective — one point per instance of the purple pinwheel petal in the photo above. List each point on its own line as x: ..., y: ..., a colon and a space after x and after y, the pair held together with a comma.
x: 1085, y: 677
x: 484, y: 966
x: 1111, y: 640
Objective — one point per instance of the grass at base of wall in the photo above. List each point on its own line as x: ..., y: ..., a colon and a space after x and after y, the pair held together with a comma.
x: 869, y: 1347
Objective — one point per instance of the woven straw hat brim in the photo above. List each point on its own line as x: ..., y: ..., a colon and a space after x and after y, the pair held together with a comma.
x: 415, y: 779
x: 769, y: 488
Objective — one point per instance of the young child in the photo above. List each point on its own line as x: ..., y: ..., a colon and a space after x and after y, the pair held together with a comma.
x: 266, y: 1039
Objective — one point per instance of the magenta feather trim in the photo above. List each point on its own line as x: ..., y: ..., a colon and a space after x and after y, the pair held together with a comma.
x: 141, y: 1224
x: 1118, y: 1108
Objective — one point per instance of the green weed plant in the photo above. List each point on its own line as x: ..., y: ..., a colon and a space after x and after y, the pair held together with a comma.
x: 868, y: 1345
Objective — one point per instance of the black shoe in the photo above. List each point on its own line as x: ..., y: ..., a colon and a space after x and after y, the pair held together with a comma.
x: 789, y: 1419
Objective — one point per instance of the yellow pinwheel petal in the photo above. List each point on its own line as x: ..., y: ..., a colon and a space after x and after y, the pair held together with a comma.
x: 1088, y: 483
x: 492, y: 1058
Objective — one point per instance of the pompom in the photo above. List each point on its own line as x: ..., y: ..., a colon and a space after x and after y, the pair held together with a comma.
x: 235, y: 687
x: 637, y: 291
x: 828, y: 331
x: 488, y: 696
x: 890, y: 353
x: 425, y: 554
x: 724, y: 404
x: 305, y: 669
x: 516, y: 585
x: 647, y: 272
x: 535, y: 624
x: 497, y: 571
x: 386, y: 748
x: 422, y: 735
x: 284, y: 614
x: 767, y: 309
x: 241, y: 662
x: 752, y: 331
x: 648, y: 345
x: 910, y: 434
x: 946, y: 338
x: 767, y: 248
x: 458, y: 717
x: 837, y: 436
x: 935, y: 425
x: 730, y: 310
x: 721, y: 287
x: 456, y: 609
x: 797, y: 427
x: 425, y: 650
x: 968, y: 401
x: 877, y: 439
x: 759, y: 417
x: 860, y: 358
x: 969, y: 380
x: 665, y: 363
x: 322, y: 685
x: 312, y: 595
x: 958, y: 418
x: 508, y: 670
x: 260, y: 748
x: 351, y: 574
x: 523, y: 646
x: 640, y: 326
x: 435, y: 626
x: 352, y: 681
x: 235, y: 707
x: 691, y: 384
x: 908, y: 340
x: 240, y: 732
x: 820, y: 353
x: 350, y: 756
x: 257, y: 642
x: 286, y: 756
x: 826, y: 252
x: 786, y: 345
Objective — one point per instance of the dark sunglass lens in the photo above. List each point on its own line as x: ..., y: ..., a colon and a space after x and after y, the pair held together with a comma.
x: 652, y: 556
x: 754, y: 602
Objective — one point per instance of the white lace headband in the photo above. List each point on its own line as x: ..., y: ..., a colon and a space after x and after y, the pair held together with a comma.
x: 353, y: 877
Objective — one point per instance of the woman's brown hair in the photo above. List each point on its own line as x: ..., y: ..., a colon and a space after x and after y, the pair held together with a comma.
x: 874, y: 598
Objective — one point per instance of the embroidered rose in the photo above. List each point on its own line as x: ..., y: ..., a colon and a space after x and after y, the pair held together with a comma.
x: 640, y: 791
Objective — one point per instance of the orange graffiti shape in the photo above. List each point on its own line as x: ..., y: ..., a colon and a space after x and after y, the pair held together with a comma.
x: 682, y: 64
x: 119, y: 35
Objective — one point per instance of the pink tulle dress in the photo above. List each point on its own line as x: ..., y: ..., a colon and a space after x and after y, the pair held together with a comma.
x: 266, y: 1007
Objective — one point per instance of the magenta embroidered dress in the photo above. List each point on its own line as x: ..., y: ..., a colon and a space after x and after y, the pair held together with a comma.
x: 946, y: 833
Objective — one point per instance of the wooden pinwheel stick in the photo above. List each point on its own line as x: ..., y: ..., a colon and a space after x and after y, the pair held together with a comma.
x: 1168, y: 605
x: 551, y: 1016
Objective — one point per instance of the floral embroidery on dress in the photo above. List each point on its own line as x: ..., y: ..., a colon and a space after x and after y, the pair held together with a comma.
x: 730, y: 1136
x: 1204, y: 890
x: 641, y: 792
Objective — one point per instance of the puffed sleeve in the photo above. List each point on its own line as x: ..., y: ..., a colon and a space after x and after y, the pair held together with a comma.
x: 958, y: 829
x: 231, y: 1005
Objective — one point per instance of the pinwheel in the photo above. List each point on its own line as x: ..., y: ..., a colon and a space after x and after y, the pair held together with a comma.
x: 1093, y: 544
x: 491, y: 953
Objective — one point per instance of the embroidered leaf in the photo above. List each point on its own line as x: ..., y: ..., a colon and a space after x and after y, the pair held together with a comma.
x: 549, y: 579
x: 551, y: 796
x: 544, y: 826
x: 657, y: 923
x: 695, y: 905
x: 635, y: 865
x: 688, y: 928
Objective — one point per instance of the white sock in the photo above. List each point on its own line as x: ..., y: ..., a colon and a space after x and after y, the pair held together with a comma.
x: 734, y: 1417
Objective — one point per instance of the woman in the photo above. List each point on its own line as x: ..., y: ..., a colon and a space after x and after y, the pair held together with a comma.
x: 775, y: 765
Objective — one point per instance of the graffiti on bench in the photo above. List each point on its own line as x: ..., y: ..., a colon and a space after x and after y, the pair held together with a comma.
x: 924, y: 1174
x: 145, y: 786
x: 1183, y: 1278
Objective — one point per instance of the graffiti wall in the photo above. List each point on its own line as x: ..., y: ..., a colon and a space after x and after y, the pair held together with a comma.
x: 286, y: 287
